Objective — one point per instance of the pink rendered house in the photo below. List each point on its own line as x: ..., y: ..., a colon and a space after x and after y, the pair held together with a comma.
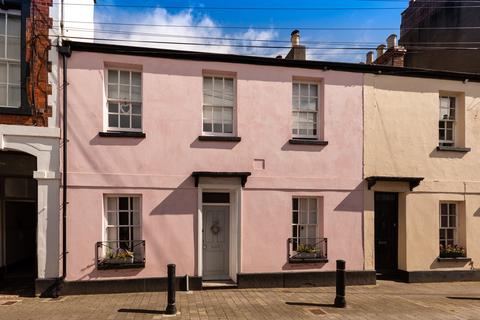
x: 234, y: 168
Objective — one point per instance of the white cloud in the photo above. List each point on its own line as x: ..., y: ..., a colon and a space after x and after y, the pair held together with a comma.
x: 158, y: 26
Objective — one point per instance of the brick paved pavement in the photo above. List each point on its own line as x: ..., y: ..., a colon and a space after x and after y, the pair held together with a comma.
x: 387, y: 300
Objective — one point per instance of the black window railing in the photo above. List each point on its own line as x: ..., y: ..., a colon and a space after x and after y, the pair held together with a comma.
x: 307, y: 250
x: 120, y: 254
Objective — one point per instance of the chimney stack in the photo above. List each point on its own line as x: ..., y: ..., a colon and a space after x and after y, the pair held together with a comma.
x: 380, y: 50
x: 392, y: 41
x: 369, y: 57
x: 297, y: 52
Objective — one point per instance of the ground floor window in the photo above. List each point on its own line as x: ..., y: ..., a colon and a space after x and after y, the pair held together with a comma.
x: 449, y: 247
x: 123, y: 220
x: 304, y: 220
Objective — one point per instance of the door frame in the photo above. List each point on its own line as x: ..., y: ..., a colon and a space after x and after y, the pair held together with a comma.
x: 224, y: 185
x: 395, y: 230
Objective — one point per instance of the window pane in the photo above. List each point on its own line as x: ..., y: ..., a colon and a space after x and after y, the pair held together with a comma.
x: 112, y: 218
x: 113, y: 120
x: 113, y: 107
x: 2, y: 23
x: 137, y: 93
x: 450, y: 234
x: 207, y: 90
x: 136, y: 108
x: 304, y: 103
x: 217, y: 127
x: 303, y: 232
x: 217, y: 115
x: 137, y: 235
x: 442, y: 234
x: 125, y: 77
x: 135, y: 203
x: 453, y: 208
x: 303, y: 204
x: 135, y: 218
x: 444, y: 208
x: 294, y: 231
x: 312, y: 218
x: 452, y: 221
x: 304, y: 90
x: 313, y: 90
x: 312, y: 204
x: 113, y: 76
x: 218, y: 91
x: 14, y: 96
x: 295, y: 89
x: 13, y: 48
x: 3, y: 72
x: 2, y: 46
x: 303, y: 217
x: 295, y: 217
x: 227, y: 128
x: 123, y: 203
x: 444, y: 221
x: 228, y: 93
x: 124, y: 92
x: 136, y: 78
x: 14, y: 73
x: 112, y: 234
x: 295, y: 203
x: 124, y: 234
x: 124, y: 108
x: 112, y: 204
x: 136, y: 122
x: 312, y: 231
x: 13, y: 25
x: 3, y: 95
x: 112, y: 91
x: 449, y: 135
x: 227, y: 114
x: 207, y: 127
x: 123, y: 218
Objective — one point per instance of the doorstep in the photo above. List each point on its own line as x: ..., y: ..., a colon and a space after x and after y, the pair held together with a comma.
x: 218, y: 284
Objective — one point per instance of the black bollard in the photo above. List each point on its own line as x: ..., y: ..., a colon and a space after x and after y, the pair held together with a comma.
x: 171, y: 307
x: 340, y: 294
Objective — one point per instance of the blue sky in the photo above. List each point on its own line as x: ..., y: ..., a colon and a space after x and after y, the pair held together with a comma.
x: 272, y: 19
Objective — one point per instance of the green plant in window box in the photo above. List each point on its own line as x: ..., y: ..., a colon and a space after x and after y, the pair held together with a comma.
x: 306, y: 251
x: 450, y: 251
x: 119, y: 256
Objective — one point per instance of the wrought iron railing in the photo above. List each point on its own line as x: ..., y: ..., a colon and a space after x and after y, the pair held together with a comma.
x: 307, y: 249
x: 119, y: 254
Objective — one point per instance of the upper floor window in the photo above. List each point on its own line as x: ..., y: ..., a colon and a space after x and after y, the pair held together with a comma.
x: 10, y: 80
x: 305, y: 110
x: 447, y: 123
x: 218, y: 105
x: 124, y: 100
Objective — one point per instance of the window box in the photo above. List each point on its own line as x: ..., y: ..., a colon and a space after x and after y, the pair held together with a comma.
x: 120, y: 254
x: 307, y: 250
x: 457, y: 259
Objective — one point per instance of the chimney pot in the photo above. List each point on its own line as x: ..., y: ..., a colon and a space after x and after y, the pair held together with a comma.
x: 392, y: 41
x: 369, y: 57
x: 380, y: 50
x: 295, y: 37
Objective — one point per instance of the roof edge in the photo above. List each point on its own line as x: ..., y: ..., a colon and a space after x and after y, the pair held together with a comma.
x: 265, y: 61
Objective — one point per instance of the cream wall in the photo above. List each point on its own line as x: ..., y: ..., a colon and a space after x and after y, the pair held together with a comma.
x: 401, y: 136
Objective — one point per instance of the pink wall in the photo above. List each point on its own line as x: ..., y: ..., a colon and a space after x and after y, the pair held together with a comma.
x: 159, y: 166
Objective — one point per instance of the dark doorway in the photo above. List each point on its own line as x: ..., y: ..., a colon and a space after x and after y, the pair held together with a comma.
x: 386, y: 232
x: 18, y: 224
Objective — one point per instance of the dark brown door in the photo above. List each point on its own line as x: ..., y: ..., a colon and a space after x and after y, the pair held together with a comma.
x: 386, y: 239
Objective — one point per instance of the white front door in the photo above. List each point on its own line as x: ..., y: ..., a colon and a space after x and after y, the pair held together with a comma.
x: 216, y: 242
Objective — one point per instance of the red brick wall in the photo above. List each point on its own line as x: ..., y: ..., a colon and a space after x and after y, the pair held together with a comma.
x: 37, y: 86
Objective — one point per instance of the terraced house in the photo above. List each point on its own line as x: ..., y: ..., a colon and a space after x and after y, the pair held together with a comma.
x: 260, y: 171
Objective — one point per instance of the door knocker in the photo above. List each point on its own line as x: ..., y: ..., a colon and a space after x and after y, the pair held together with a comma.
x: 215, y: 228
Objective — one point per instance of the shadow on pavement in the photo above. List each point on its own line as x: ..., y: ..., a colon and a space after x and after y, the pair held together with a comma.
x: 464, y: 298
x: 142, y: 311
x: 308, y: 304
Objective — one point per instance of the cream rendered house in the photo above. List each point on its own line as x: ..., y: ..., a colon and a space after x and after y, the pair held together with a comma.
x: 422, y: 172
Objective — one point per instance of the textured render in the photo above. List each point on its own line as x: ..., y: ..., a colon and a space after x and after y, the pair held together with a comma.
x: 401, y: 137
x: 159, y: 166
